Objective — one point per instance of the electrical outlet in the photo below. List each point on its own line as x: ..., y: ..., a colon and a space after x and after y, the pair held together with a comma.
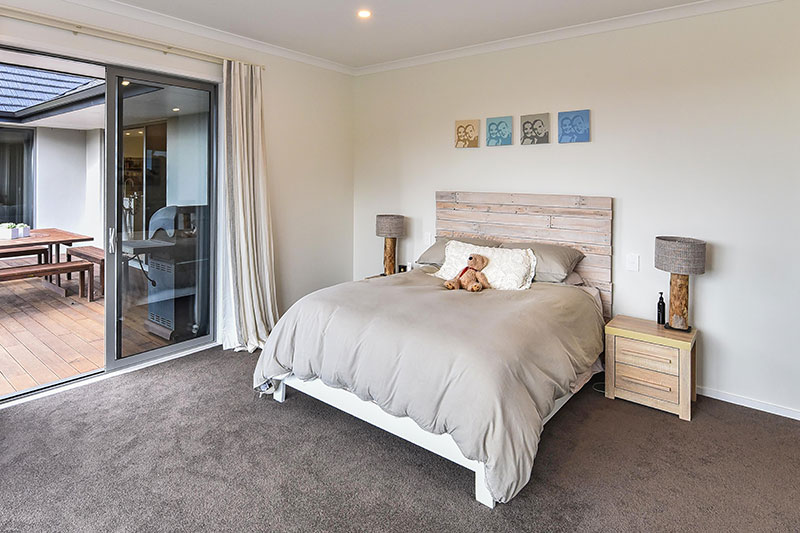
x: 632, y: 262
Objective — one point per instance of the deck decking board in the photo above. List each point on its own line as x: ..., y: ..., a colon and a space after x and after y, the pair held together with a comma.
x: 5, y: 386
x: 66, y: 352
x: 13, y: 372
x: 45, y: 321
x: 46, y: 355
x: 45, y: 338
x: 87, y: 349
x: 32, y: 365
x: 10, y: 323
x: 6, y: 337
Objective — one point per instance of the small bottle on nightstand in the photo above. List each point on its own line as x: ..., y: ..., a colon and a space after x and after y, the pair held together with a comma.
x: 662, y: 309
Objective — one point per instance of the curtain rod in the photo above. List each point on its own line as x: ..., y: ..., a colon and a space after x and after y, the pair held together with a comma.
x: 93, y: 31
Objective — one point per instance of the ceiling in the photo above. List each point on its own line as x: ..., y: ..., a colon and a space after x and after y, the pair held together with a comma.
x: 158, y: 104
x: 88, y: 118
x: 398, y: 29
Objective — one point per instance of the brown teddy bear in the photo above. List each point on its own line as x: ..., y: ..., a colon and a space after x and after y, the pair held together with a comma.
x: 471, y: 278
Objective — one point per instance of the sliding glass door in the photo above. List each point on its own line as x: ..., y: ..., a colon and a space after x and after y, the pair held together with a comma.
x: 160, y: 215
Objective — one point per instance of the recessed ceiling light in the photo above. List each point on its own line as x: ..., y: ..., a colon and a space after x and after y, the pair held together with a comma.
x: 125, y: 83
x: 364, y: 14
x: 140, y: 132
x: 127, y: 133
x: 176, y: 109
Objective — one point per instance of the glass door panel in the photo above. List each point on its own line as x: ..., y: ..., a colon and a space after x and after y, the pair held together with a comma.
x: 16, y: 175
x: 163, y: 207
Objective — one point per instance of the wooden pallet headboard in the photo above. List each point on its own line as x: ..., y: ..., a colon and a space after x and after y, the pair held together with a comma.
x: 582, y: 222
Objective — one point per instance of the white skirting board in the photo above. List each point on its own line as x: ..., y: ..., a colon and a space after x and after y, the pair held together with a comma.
x: 403, y: 427
x: 744, y: 401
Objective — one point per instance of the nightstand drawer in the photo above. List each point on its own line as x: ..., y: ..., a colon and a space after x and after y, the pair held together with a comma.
x: 647, y: 355
x: 653, y: 384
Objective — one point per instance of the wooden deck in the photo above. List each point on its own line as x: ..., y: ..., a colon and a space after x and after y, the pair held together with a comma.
x: 46, y: 338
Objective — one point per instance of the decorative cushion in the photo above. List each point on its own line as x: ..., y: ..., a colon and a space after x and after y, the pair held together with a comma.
x: 434, y: 255
x: 553, y: 261
x: 508, y: 269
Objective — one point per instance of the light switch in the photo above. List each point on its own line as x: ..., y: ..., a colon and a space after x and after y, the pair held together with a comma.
x: 632, y: 262
x: 428, y: 238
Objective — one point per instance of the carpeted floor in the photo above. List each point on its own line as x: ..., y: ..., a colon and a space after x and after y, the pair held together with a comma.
x: 185, y: 446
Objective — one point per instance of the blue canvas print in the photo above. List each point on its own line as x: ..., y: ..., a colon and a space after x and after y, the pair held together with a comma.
x: 573, y: 126
x: 498, y: 131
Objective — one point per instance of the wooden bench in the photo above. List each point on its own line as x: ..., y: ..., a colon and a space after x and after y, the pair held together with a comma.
x: 92, y: 254
x: 42, y: 253
x: 54, y: 269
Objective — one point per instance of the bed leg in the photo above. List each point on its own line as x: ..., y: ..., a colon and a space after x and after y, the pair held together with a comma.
x: 482, y: 493
x: 280, y: 392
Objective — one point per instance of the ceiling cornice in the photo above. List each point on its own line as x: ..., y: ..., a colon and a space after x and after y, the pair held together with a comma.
x: 702, y: 7
x: 193, y: 28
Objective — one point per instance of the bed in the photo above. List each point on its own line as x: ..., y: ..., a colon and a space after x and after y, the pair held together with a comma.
x: 470, y: 377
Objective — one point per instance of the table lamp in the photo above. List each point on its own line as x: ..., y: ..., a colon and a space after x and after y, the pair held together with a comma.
x: 390, y: 227
x: 680, y: 256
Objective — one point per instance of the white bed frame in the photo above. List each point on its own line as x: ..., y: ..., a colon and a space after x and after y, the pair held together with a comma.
x: 581, y: 222
x: 403, y: 427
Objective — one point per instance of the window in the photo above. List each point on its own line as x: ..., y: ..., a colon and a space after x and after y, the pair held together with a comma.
x: 16, y: 175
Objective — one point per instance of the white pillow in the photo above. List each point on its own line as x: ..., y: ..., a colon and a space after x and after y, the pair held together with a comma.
x: 508, y: 269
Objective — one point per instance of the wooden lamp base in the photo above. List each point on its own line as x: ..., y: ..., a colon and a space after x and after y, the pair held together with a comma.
x: 389, y: 255
x: 678, y: 302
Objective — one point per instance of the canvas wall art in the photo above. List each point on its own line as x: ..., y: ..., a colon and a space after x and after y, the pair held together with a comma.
x: 499, y: 131
x: 573, y: 126
x: 467, y: 133
x: 534, y: 129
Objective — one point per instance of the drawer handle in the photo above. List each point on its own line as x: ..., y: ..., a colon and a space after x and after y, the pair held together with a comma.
x: 647, y: 356
x: 647, y: 383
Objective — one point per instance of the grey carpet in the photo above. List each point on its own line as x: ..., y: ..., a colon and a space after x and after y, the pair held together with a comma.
x: 185, y: 446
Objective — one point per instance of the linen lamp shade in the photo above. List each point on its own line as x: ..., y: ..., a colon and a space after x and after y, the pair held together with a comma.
x: 680, y: 256
x: 390, y: 227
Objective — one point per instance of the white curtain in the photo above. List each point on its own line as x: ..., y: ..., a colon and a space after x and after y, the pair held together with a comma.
x: 250, y: 310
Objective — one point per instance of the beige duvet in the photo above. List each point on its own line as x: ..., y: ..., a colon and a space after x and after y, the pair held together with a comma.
x: 484, y: 367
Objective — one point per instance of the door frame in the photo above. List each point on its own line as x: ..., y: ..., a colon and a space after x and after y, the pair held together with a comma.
x: 113, y: 216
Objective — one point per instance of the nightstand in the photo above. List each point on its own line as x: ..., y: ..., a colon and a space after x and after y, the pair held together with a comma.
x: 651, y: 365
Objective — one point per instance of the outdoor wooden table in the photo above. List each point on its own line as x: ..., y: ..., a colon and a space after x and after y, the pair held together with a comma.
x: 53, y: 238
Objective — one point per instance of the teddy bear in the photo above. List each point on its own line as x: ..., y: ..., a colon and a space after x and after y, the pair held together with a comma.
x: 471, y: 278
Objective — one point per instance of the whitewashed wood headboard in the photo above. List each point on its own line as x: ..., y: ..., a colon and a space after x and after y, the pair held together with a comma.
x: 581, y: 222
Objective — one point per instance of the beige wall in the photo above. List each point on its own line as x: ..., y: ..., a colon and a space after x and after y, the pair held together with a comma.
x: 695, y: 132
x: 310, y: 147
x: 308, y: 131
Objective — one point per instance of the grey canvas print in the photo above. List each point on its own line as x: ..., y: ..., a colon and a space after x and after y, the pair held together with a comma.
x: 534, y: 129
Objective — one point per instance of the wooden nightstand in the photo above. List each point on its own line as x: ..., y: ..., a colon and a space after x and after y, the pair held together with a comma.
x: 651, y: 365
